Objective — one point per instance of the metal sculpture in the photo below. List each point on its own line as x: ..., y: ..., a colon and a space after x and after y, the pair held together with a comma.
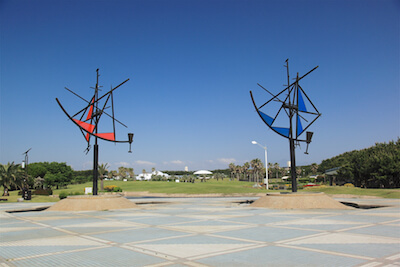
x: 295, y: 105
x: 89, y: 125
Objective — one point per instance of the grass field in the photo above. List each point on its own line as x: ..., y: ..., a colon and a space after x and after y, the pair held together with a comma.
x: 210, y: 187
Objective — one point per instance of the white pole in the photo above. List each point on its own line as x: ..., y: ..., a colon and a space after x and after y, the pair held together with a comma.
x: 266, y: 162
x: 266, y: 169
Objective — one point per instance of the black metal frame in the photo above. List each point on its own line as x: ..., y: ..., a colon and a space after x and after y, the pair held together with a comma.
x: 291, y: 107
x: 94, y: 115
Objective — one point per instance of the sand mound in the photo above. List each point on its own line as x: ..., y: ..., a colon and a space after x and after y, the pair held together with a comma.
x: 298, y: 201
x: 86, y: 203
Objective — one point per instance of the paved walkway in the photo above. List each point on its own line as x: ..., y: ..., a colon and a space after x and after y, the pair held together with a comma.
x: 201, y: 232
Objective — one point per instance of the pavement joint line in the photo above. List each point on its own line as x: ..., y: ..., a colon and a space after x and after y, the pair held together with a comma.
x: 158, y: 239
x: 355, y: 227
x: 368, y: 235
x: 301, y: 237
x: 394, y: 257
x: 293, y: 228
x: 240, y: 239
x: 102, y: 241
x: 56, y: 253
x: 371, y: 264
x: 115, y: 230
x: 149, y: 252
x: 227, y: 251
x: 386, y: 261
x: 326, y: 252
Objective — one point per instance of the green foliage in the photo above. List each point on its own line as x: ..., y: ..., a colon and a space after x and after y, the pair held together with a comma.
x: 43, y: 192
x: 63, y: 195
x: 54, y: 173
x: 374, y: 167
x: 80, y: 177
x: 117, y: 189
x: 112, y: 188
x: 12, y: 177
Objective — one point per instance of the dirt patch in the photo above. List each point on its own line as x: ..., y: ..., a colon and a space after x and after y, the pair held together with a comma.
x: 298, y: 201
x: 87, y: 203
x: 147, y: 194
x: 352, y: 196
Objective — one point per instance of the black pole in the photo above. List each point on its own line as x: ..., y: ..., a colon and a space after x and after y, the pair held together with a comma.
x: 96, y: 146
x: 95, y: 167
x: 293, y: 165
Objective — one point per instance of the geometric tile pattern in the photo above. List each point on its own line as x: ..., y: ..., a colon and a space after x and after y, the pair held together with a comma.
x: 201, y: 232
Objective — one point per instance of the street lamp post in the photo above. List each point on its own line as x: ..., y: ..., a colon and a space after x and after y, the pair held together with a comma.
x: 266, y: 163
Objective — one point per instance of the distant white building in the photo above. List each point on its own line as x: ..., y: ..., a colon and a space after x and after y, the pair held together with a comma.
x: 147, y: 176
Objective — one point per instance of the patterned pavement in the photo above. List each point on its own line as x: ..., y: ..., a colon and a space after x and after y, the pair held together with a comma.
x: 201, y: 232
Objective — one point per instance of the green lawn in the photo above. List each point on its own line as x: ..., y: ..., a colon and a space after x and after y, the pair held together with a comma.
x: 14, y: 196
x: 383, y: 193
x: 210, y: 187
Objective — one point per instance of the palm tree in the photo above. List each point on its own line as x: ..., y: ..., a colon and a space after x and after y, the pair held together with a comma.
x: 102, y: 173
x: 314, y: 168
x: 257, y: 165
x: 246, y: 167
x: 276, y: 167
x: 122, y: 172
x: 9, y: 176
x: 239, y: 170
x: 232, y: 167
x: 112, y: 174
x: 131, y: 172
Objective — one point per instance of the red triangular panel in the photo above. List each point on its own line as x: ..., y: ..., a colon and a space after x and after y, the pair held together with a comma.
x: 87, y: 137
x: 107, y: 136
x: 89, y: 115
x: 87, y: 126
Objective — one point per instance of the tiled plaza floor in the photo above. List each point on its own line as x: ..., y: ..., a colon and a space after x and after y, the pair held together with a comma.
x: 201, y: 232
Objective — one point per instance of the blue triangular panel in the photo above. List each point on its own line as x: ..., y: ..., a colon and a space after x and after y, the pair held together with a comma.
x: 266, y: 118
x: 282, y: 131
x: 302, y: 106
x: 299, y: 126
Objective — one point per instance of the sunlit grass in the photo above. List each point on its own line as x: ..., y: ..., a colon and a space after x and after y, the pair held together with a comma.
x: 225, y: 187
x: 383, y: 193
x: 14, y: 197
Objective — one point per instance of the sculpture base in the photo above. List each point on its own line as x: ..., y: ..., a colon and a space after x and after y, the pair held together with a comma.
x: 87, y: 203
x: 298, y: 201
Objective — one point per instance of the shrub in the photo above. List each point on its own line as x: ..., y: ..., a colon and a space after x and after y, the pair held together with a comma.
x: 304, y: 180
x: 43, y: 192
x: 111, y: 188
x: 348, y: 185
x: 63, y: 195
x: 117, y: 189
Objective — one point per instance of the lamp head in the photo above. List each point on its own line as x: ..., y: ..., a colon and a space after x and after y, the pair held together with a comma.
x: 254, y: 142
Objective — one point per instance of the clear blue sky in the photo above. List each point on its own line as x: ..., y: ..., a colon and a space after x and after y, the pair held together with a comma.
x: 192, y: 64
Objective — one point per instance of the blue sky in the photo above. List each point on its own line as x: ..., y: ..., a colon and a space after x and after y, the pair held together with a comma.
x: 191, y: 66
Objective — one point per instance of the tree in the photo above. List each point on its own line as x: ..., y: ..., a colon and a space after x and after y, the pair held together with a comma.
x: 9, y: 176
x: 131, y: 172
x: 232, y: 168
x: 58, y: 174
x: 246, y: 167
x: 102, y: 169
x: 122, y: 172
x: 277, y: 168
x: 314, y: 168
x: 112, y: 174
x: 257, y: 166
x: 238, y: 171
x: 37, y: 169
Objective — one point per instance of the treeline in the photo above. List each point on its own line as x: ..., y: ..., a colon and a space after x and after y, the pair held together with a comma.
x: 374, y: 167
